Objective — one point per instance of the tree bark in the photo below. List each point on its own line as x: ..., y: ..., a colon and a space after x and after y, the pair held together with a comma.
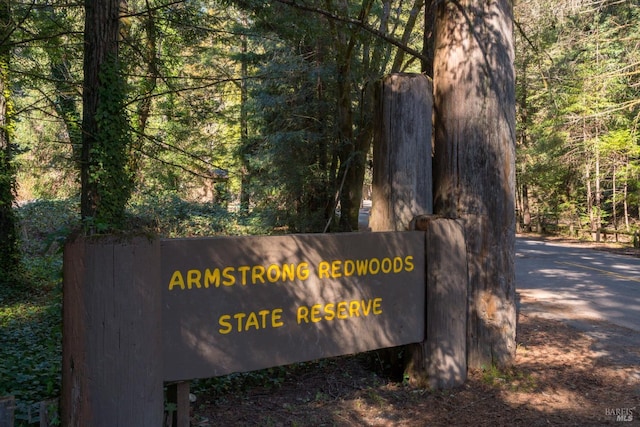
x: 474, y: 162
x: 100, y: 43
x: 9, y: 249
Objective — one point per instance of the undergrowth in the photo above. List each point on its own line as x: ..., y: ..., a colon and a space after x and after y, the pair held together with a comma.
x: 31, y: 309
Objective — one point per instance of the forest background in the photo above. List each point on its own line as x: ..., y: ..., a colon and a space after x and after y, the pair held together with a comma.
x: 253, y: 117
x: 265, y: 108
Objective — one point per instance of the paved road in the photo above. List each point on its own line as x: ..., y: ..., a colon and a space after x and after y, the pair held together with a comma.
x: 581, y: 282
x: 596, y: 292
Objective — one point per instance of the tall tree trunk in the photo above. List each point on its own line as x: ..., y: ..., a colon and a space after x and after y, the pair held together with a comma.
x: 598, y: 194
x: 474, y: 163
x: 105, y: 178
x: 614, y: 197
x: 626, y: 194
x: 244, y: 124
x: 9, y: 250
x: 587, y: 175
x: 526, y: 212
x: 349, y: 159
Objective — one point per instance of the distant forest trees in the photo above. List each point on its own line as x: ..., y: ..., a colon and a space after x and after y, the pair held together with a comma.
x: 266, y: 107
x: 578, y: 83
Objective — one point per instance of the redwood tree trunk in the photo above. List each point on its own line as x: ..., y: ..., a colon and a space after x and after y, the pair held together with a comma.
x: 100, y: 43
x: 9, y: 248
x: 474, y: 163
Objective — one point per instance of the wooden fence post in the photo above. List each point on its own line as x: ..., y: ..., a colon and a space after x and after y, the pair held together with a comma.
x: 112, y: 348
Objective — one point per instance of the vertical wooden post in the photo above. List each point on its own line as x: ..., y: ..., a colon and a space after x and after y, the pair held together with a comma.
x: 7, y: 408
x: 440, y: 362
x: 112, y: 348
x: 178, y: 395
x: 402, y: 182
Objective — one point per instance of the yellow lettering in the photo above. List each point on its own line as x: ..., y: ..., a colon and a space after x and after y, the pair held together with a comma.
x: 303, y: 314
x: 315, y: 313
x: 377, y: 309
x: 176, y: 280
x: 323, y: 269
x: 243, y: 269
x: 288, y: 272
x: 408, y: 261
x: 257, y: 273
x: 349, y: 267
x: 212, y: 277
x: 342, y: 310
x: 229, y: 278
x: 245, y: 321
x: 239, y: 317
x: 386, y: 265
x: 193, y: 278
x: 335, y: 269
x: 366, y: 308
x: 252, y: 321
x: 263, y: 315
x: 303, y: 271
x: 397, y: 264
x: 372, y: 269
x: 224, y: 322
x: 276, y: 318
x: 273, y: 273
x: 362, y: 266
x: 354, y: 309
x: 329, y: 311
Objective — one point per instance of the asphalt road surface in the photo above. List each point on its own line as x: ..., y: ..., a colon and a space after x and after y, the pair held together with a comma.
x: 584, y: 282
x: 596, y: 292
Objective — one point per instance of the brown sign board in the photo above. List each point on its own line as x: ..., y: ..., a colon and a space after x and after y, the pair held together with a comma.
x: 237, y: 304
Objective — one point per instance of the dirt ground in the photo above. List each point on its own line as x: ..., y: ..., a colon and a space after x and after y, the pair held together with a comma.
x: 561, y: 376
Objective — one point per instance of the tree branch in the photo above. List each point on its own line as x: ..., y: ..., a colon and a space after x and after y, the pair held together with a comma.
x: 357, y: 23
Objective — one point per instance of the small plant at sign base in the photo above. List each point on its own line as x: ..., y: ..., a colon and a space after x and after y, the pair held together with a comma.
x: 516, y: 381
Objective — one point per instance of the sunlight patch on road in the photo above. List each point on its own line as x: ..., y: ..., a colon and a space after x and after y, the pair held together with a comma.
x: 600, y: 270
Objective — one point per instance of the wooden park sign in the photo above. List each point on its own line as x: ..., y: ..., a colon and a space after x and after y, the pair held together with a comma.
x: 141, y: 312
x: 238, y: 304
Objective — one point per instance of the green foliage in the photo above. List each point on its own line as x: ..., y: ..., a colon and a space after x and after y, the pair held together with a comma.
x: 508, y: 378
x: 45, y: 224
x: 577, y: 104
x: 31, y: 314
x: 30, y: 325
x: 30, y: 364
x: 9, y: 240
x: 109, y: 157
x: 175, y: 217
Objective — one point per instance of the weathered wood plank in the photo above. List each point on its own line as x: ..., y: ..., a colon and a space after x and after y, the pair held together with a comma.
x: 112, y: 360
x: 440, y: 362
